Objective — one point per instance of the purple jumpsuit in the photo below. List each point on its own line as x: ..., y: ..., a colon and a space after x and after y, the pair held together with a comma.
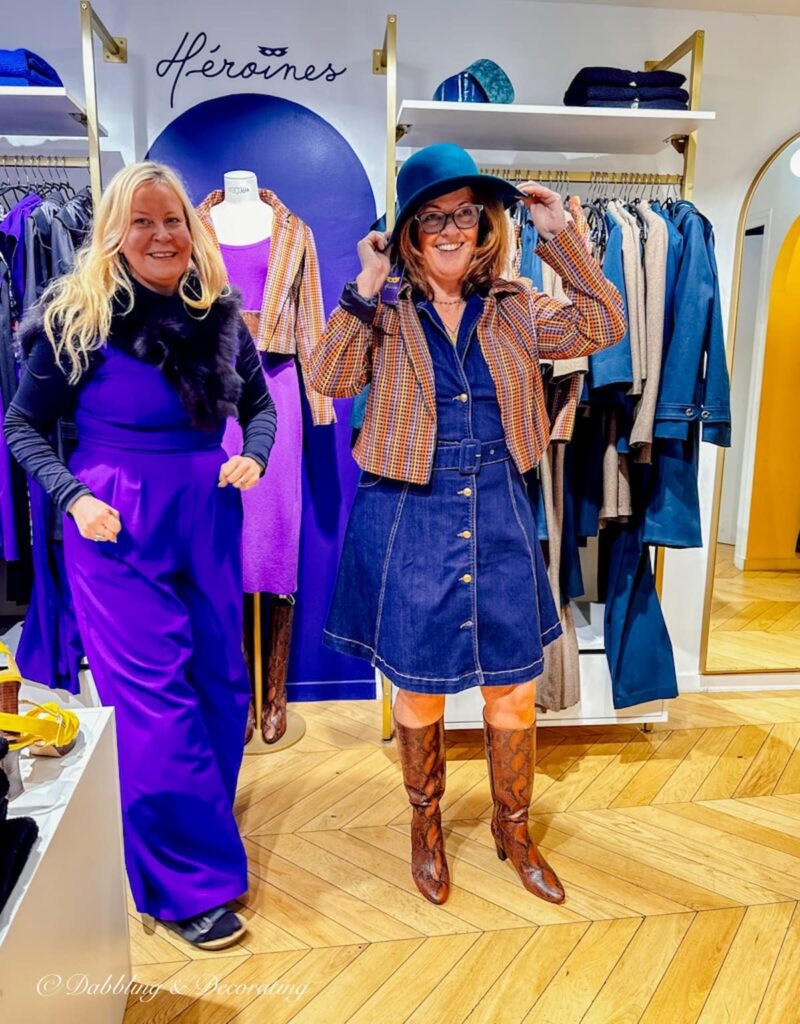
x: 160, y: 614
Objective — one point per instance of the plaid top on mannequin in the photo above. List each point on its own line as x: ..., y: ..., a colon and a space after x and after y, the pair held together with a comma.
x: 292, y: 317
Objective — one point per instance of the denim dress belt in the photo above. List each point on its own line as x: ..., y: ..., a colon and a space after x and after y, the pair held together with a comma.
x: 468, y: 455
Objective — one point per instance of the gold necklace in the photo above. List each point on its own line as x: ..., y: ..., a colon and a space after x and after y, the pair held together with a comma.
x: 451, y: 329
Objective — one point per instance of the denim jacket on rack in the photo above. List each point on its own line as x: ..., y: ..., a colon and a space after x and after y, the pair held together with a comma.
x: 694, y: 380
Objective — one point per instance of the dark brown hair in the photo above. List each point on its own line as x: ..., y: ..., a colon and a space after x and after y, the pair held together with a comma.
x: 488, y: 260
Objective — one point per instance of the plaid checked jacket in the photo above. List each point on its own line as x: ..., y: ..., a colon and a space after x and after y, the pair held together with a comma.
x: 518, y: 326
x: 292, y: 317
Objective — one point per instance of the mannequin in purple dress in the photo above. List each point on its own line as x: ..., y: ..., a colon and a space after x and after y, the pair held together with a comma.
x: 259, y: 240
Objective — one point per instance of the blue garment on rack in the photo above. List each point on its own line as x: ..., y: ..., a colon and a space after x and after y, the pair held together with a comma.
x: 613, y: 365
x: 694, y: 378
x: 530, y: 261
x: 638, y: 647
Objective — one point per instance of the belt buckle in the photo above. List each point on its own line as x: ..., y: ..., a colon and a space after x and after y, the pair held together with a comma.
x: 469, y: 457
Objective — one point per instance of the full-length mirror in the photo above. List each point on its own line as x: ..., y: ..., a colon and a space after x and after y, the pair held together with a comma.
x: 753, y: 607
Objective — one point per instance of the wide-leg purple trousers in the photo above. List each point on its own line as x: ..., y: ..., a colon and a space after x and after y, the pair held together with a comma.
x: 160, y: 615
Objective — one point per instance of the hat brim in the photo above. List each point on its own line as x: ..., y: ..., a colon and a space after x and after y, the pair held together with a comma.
x: 503, y: 191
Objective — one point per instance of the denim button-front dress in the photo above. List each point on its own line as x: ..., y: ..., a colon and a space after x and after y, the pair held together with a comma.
x: 442, y: 586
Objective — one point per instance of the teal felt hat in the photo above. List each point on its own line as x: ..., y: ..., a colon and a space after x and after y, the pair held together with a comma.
x: 441, y: 168
x: 493, y: 80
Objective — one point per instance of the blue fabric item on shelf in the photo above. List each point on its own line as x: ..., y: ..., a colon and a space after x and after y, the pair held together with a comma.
x: 580, y: 94
x: 621, y: 77
x: 460, y: 88
x: 493, y: 80
x: 636, y: 104
x: 23, y: 67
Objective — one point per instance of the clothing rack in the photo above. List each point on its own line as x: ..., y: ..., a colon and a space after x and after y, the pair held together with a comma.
x: 44, y: 160
x: 587, y: 177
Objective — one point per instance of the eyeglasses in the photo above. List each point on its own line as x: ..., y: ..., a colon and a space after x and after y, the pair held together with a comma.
x: 463, y: 217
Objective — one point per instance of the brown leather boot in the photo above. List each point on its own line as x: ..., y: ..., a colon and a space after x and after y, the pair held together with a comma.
x: 510, y: 755
x: 423, y: 761
x: 247, y: 650
x: 273, y: 711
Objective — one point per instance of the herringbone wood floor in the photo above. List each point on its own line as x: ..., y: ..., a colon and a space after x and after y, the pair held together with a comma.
x: 755, y: 618
x: 680, y: 852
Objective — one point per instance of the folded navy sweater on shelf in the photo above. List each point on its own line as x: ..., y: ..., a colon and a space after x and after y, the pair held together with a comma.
x: 617, y: 87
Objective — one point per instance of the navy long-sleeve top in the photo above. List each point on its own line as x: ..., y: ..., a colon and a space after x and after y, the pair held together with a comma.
x: 45, y: 395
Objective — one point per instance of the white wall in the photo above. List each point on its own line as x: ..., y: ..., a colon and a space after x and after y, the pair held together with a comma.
x: 731, y: 524
x: 751, y: 78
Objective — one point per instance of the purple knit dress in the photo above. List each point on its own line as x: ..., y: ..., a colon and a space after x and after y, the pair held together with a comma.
x: 272, y: 510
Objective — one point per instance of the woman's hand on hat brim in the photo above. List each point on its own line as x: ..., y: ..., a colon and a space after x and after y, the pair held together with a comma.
x: 546, y: 209
x: 374, y: 253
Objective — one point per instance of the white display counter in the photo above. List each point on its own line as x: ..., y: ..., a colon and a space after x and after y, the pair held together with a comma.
x: 64, y: 947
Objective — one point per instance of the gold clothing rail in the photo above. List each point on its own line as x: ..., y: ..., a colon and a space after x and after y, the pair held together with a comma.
x: 588, y: 177
x: 43, y: 160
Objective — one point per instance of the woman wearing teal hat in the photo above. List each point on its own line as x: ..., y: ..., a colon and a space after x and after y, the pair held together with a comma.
x: 442, y: 584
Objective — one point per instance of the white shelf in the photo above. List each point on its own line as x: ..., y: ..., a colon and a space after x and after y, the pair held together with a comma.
x: 535, y: 129
x: 40, y: 111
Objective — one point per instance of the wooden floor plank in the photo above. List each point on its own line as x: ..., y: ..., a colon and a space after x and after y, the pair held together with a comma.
x: 572, y: 991
x: 742, y: 981
x: 782, y: 999
x: 696, y: 767
x: 528, y: 975
x: 685, y: 986
x: 771, y: 761
x: 356, y: 983
x: 631, y: 985
x: 656, y: 772
x: 724, y: 778
x: 456, y: 994
x: 426, y: 968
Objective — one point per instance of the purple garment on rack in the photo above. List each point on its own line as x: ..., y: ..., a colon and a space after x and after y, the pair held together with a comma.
x: 272, y: 509
x: 13, y: 228
x: 8, y: 534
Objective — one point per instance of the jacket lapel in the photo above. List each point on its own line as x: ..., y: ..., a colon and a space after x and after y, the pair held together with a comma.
x: 417, y: 348
x: 285, y: 255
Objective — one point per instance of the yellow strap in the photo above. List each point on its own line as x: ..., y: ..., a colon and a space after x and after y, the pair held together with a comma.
x: 9, y: 673
x: 47, y: 724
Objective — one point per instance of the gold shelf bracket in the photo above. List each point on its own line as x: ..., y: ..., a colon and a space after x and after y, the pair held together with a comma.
x: 115, y: 50
x: 384, y: 62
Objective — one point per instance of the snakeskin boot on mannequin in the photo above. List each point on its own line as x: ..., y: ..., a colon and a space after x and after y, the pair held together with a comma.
x: 422, y: 758
x: 510, y: 756
x: 273, y: 713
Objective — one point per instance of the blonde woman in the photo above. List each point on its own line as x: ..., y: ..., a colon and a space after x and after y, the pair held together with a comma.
x: 144, y: 347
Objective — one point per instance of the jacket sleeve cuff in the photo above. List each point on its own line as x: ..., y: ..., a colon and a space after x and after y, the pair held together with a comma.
x: 565, y: 252
x: 717, y: 433
x: 256, y: 458
x: 65, y: 500
x: 352, y: 302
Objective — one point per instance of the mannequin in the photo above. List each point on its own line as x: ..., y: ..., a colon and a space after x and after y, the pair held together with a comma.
x: 242, y: 218
x: 242, y: 221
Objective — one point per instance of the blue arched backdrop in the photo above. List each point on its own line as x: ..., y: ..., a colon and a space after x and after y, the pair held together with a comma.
x: 313, y: 169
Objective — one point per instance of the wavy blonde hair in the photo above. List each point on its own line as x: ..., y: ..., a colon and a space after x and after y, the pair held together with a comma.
x: 78, y: 312
x: 488, y: 260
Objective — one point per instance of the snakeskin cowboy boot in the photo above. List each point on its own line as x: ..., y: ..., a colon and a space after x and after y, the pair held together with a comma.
x: 510, y: 756
x: 273, y: 711
x: 422, y: 757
